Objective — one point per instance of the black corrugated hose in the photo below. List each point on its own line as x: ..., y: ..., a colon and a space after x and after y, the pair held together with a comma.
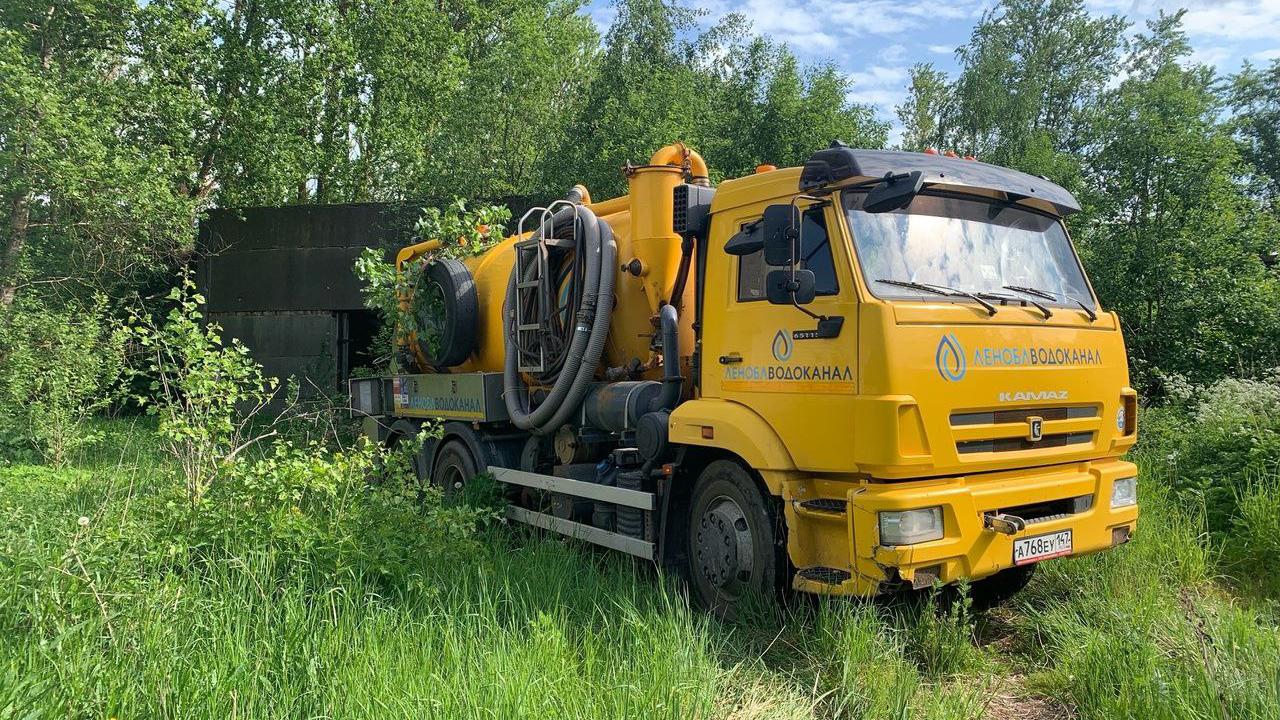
x: 571, y: 350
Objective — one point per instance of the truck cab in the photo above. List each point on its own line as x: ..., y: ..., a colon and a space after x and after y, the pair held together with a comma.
x: 948, y: 401
x: 882, y: 370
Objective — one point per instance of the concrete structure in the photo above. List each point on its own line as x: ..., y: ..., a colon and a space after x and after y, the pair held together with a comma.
x: 280, y: 279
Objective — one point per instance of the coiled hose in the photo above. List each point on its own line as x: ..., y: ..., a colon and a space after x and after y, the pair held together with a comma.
x: 595, y: 256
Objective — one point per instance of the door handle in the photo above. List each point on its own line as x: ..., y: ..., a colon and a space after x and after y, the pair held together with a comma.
x: 730, y: 359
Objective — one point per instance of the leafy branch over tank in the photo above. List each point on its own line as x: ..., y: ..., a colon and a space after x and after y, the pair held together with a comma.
x: 404, y: 297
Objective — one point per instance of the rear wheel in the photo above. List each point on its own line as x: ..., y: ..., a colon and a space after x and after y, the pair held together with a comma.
x: 734, y: 540
x: 454, y: 466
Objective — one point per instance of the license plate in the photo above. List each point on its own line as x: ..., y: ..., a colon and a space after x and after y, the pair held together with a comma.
x: 1041, y: 547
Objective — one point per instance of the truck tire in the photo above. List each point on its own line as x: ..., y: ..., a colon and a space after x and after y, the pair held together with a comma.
x: 453, y: 467
x: 735, y: 542
x: 457, y: 325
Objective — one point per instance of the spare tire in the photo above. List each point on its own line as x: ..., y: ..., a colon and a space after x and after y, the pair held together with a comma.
x: 456, y: 324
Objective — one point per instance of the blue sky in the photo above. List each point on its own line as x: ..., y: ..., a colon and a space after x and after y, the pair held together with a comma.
x: 877, y: 41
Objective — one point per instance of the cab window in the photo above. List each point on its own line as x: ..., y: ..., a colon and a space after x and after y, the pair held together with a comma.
x: 815, y: 255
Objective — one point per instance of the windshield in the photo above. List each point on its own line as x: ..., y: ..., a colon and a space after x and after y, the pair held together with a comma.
x: 969, y: 245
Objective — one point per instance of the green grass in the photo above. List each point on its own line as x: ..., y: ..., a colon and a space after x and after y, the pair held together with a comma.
x: 140, y: 615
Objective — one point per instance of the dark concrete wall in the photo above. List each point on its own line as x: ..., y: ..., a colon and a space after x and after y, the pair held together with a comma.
x: 294, y: 258
x: 280, y: 279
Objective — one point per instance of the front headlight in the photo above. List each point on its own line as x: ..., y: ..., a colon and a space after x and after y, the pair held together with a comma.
x: 907, y: 527
x: 1124, y: 492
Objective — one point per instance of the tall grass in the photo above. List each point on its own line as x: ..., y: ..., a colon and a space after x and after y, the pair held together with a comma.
x: 302, y: 612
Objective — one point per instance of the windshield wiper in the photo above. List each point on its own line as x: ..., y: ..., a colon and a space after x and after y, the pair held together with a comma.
x: 942, y: 290
x: 1023, y: 301
x: 1047, y: 295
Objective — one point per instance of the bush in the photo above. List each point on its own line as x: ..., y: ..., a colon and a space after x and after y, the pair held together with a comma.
x: 314, y: 511
x: 58, y: 366
x: 1229, y: 434
x: 205, y: 392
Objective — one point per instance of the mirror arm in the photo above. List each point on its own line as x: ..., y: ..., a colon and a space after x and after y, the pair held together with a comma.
x: 797, y: 243
x: 806, y: 310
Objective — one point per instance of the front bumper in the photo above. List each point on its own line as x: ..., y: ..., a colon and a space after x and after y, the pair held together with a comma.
x: 840, y: 552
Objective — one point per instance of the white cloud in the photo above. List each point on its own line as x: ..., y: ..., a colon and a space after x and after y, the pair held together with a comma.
x: 882, y: 86
x: 1227, y: 19
x: 1210, y: 55
x: 811, y: 24
x: 941, y: 49
x: 1236, y: 20
x: 1271, y: 54
x: 894, y: 53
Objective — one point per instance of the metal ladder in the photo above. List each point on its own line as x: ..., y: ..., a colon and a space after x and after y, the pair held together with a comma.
x: 532, y: 254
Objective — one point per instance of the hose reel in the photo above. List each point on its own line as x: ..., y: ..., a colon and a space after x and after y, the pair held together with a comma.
x: 556, y: 315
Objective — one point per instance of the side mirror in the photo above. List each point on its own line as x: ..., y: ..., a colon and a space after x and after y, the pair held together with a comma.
x: 780, y: 234
x: 894, y: 193
x: 790, y: 287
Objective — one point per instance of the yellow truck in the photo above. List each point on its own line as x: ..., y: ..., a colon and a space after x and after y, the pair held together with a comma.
x: 881, y: 370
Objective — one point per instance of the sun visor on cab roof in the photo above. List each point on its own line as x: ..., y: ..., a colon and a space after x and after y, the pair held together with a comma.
x: 839, y: 162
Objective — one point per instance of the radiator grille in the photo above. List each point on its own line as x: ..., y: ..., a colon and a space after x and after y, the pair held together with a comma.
x: 1015, y: 444
x: 1020, y: 415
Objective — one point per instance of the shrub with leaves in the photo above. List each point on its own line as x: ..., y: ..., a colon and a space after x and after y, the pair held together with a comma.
x: 205, y: 392
x: 402, y: 296
x: 325, y: 512
x: 58, y: 366
x: 1228, y: 436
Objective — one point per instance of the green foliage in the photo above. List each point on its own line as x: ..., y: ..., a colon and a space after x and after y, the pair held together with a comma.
x: 204, y: 391
x: 92, y: 186
x: 940, y: 639
x: 462, y: 233
x: 317, y: 511
x: 403, y: 297
x: 1018, y: 91
x: 738, y: 99
x: 1255, y: 97
x: 1255, y: 535
x: 296, y: 589
x: 1225, y: 440
x: 1173, y: 244
x: 58, y: 366
x: 1140, y: 632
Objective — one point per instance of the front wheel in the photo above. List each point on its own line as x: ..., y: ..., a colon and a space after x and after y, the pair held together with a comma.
x: 734, y: 540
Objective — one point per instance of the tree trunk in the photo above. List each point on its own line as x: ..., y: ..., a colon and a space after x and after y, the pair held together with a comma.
x: 19, y: 226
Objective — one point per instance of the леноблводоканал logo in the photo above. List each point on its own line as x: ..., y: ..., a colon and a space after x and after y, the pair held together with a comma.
x: 953, y: 363
x: 950, y: 358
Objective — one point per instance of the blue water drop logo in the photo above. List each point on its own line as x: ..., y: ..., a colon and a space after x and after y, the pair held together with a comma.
x: 782, y: 346
x: 950, y: 358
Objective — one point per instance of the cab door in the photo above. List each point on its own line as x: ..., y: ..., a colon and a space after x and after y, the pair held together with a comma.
x: 775, y: 359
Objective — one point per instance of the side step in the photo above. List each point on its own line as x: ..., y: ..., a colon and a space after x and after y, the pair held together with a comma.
x: 604, y: 493
x: 594, y: 535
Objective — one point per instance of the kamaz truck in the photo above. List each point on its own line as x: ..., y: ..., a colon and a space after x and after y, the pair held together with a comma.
x: 879, y: 371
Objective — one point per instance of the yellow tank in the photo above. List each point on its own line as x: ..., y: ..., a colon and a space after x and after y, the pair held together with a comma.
x: 647, y: 244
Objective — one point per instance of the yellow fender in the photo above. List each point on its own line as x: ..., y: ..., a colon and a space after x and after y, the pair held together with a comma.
x: 733, y: 427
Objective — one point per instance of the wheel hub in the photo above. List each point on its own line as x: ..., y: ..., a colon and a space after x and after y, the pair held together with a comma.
x: 723, y: 546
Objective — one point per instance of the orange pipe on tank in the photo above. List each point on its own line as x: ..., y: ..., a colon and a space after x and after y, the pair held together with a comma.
x: 413, y: 251
x: 676, y: 154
